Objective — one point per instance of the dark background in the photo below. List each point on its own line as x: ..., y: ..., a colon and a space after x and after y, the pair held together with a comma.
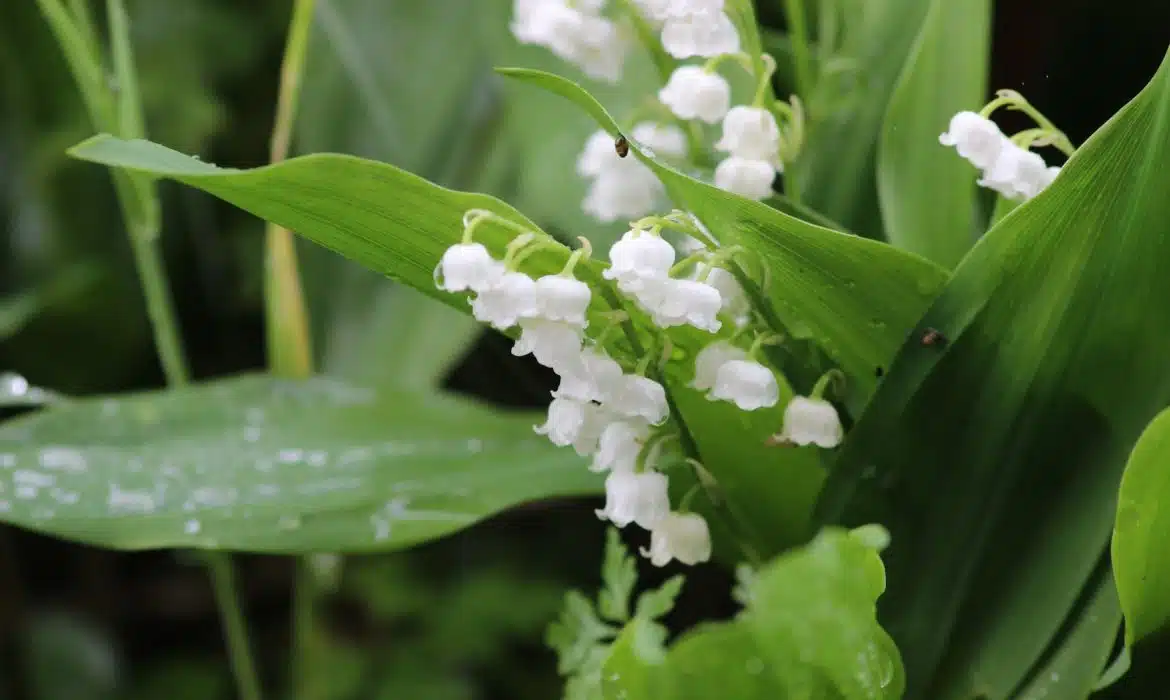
x: 458, y: 618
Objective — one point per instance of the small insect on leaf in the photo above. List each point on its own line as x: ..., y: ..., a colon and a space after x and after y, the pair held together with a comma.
x: 622, y: 146
x: 933, y: 337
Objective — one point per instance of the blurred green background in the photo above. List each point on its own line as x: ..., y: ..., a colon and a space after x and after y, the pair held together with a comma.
x: 408, y: 82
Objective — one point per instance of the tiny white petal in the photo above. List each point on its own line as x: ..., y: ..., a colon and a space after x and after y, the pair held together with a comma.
x: 640, y: 498
x: 561, y: 298
x: 638, y: 255
x: 619, y: 444
x: 468, y: 266
x: 746, y: 177
x: 710, y: 359
x: 678, y: 302
x: 553, y: 343
x: 595, y: 377
x: 595, y: 421
x: 504, y: 303
x: 976, y: 138
x: 809, y: 421
x: 1016, y: 174
x: 748, y: 384
x: 693, y: 93
x: 681, y: 536
x: 735, y: 301
x: 622, y: 194
x: 566, y: 418
x: 640, y: 397
x: 699, y: 33
x: 751, y: 133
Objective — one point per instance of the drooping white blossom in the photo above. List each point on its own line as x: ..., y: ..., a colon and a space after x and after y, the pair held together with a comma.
x: 624, y: 188
x: 574, y: 33
x: 746, y: 177
x: 750, y: 133
x: 811, y: 421
x: 735, y: 301
x: 619, y: 445
x: 749, y: 385
x: 562, y: 298
x: 467, y: 266
x: 695, y: 93
x: 504, y: 303
x: 1017, y: 174
x: 697, y: 28
x: 554, y: 344
x: 674, y: 302
x: 681, y: 536
x: 976, y: 138
x: 594, y: 377
x: 640, y: 397
x: 639, y: 256
x: 710, y: 359
x: 566, y: 418
x: 635, y: 497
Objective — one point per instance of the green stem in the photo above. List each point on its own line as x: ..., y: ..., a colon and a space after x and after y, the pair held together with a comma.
x: 305, y: 635
x: 223, y: 581
x: 289, y: 343
x: 798, y: 34
x: 138, y: 201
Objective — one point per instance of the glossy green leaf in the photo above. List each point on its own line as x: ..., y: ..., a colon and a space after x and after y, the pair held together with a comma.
x: 927, y: 193
x: 1141, y: 535
x: 1047, y: 366
x: 1074, y: 669
x: 259, y: 464
x: 855, y: 297
x: 835, y: 169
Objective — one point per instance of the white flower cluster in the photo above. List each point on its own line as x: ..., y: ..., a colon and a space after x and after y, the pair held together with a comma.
x: 624, y: 188
x: 618, y: 418
x: 1009, y: 169
x: 576, y: 32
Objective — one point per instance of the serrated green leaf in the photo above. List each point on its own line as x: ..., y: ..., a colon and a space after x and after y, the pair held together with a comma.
x: 1050, y: 365
x: 927, y: 193
x: 658, y: 602
x: 855, y: 297
x: 577, y: 634
x: 620, y: 574
x: 259, y: 464
x: 1141, y: 533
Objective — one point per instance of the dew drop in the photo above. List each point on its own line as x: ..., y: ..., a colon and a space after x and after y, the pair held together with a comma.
x: 192, y: 527
x: 13, y: 386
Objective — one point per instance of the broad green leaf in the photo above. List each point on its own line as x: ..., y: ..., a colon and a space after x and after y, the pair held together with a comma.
x: 855, y: 297
x: 398, y: 225
x: 835, y: 169
x: 1073, y: 671
x: 927, y: 192
x: 259, y: 464
x: 1048, y: 367
x: 1141, y: 535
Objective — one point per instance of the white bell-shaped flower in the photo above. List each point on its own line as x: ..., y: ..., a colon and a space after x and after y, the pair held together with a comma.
x: 663, y: 139
x: 710, y: 359
x: 588, y: 438
x: 746, y: 177
x: 566, y: 418
x: 640, y: 397
x: 619, y: 445
x: 700, y: 33
x: 594, y: 377
x: 1016, y: 174
x: 598, y: 156
x: 735, y: 301
x: 810, y: 421
x: 574, y: 34
x: 654, y: 10
x: 563, y: 298
x: 747, y: 384
x: 617, y: 196
x: 684, y: 302
x: 554, y: 344
x: 976, y: 138
x: 751, y: 133
x: 637, y: 256
x: 504, y: 303
x: 694, y: 93
x: 468, y: 266
x: 681, y: 536
x: 636, y: 497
